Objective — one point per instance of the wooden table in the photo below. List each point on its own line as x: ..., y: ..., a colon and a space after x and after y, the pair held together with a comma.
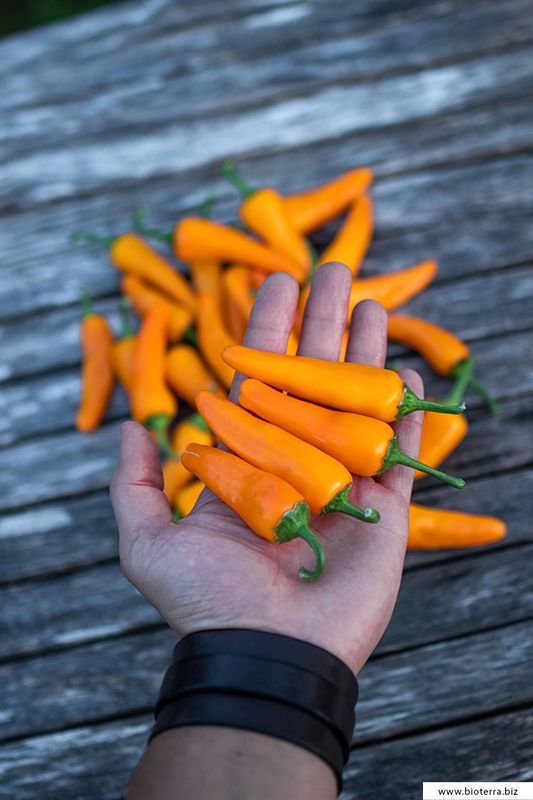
x: 138, y: 104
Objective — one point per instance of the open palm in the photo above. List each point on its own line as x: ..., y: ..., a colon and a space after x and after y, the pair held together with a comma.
x: 210, y: 571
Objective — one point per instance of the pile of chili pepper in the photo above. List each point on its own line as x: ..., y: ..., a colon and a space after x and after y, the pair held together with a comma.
x: 303, y: 426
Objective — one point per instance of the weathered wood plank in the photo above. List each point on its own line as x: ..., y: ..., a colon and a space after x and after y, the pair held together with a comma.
x: 96, y: 761
x: 69, y: 534
x: 234, y: 71
x: 473, y: 594
x: 494, y: 749
x: 503, y: 300
x: 479, y: 242
x: 437, y: 684
x: 175, y: 148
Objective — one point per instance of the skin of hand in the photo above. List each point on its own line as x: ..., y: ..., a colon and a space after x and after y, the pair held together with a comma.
x: 210, y: 571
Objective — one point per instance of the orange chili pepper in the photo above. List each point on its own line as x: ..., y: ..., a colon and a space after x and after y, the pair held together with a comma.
x: 257, y: 278
x: 263, y: 212
x: 351, y: 243
x: 433, y: 529
x: 213, y: 337
x: 392, y: 290
x: 271, y: 508
x: 197, y: 239
x: 124, y: 349
x: 441, y: 433
x: 322, y: 480
x: 186, y: 498
x: 206, y: 277
x: 129, y: 253
x: 312, y: 209
x: 444, y: 351
x: 143, y: 298
x: 97, y: 369
x: 365, y: 446
x: 363, y: 389
x: 238, y: 293
x: 292, y: 343
x: 187, y: 374
x: 152, y: 403
x: 191, y: 429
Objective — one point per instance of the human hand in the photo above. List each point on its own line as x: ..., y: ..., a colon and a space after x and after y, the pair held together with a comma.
x: 210, y: 571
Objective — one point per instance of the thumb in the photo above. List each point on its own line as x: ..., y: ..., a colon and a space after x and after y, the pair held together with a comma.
x: 141, y: 508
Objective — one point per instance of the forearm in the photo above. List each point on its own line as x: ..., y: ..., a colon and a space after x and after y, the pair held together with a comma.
x: 216, y: 762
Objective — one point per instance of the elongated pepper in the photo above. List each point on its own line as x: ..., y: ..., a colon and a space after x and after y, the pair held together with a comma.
x: 444, y: 351
x: 143, y: 298
x: 152, y: 403
x: 263, y: 212
x: 312, y: 209
x: 187, y: 374
x: 239, y: 298
x: 124, y: 348
x: 352, y: 241
x: 213, y: 337
x: 323, y: 481
x: 186, y: 498
x: 272, y: 508
x: 131, y: 254
x: 365, y: 446
x: 191, y: 429
x: 434, y: 529
x: 441, y: 433
x: 97, y: 368
x: 363, y: 389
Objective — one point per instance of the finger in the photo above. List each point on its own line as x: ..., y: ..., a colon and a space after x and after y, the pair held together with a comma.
x: 137, y: 486
x: 271, y: 319
x: 409, y: 429
x: 367, y: 343
x: 325, y: 313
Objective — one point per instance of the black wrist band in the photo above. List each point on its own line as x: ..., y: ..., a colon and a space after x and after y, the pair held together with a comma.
x: 263, y: 682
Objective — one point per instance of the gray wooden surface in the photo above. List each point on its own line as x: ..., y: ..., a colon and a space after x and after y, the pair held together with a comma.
x: 139, y: 103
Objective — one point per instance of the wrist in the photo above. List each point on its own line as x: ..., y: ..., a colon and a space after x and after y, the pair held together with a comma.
x: 262, y: 682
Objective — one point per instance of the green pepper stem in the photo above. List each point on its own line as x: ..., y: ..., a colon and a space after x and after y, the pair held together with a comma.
x: 410, y: 402
x: 463, y: 373
x: 176, y: 515
x: 86, y: 304
x: 189, y: 336
x: 294, y: 524
x: 229, y: 171
x: 480, y: 390
x: 205, y: 209
x: 199, y: 422
x: 89, y: 236
x: 342, y: 504
x: 395, y: 456
x: 153, y: 233
x: 126, y: 328
x: 158, y: 423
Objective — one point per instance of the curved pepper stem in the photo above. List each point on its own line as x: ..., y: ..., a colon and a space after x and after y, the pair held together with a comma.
x: 89, y: 236
x: 229, y: 171
x: 463, y: 373
x: 293, y: 525
x: 341, y: 504
x: 153, y: 233
x: 176, y: 515
x: 204, y: 210
x: 410, y: 402
x: 126, y: 328
x: 86, y: 304
x: 396, y: 456
x: 458, y: 372
x: 158, y: 423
